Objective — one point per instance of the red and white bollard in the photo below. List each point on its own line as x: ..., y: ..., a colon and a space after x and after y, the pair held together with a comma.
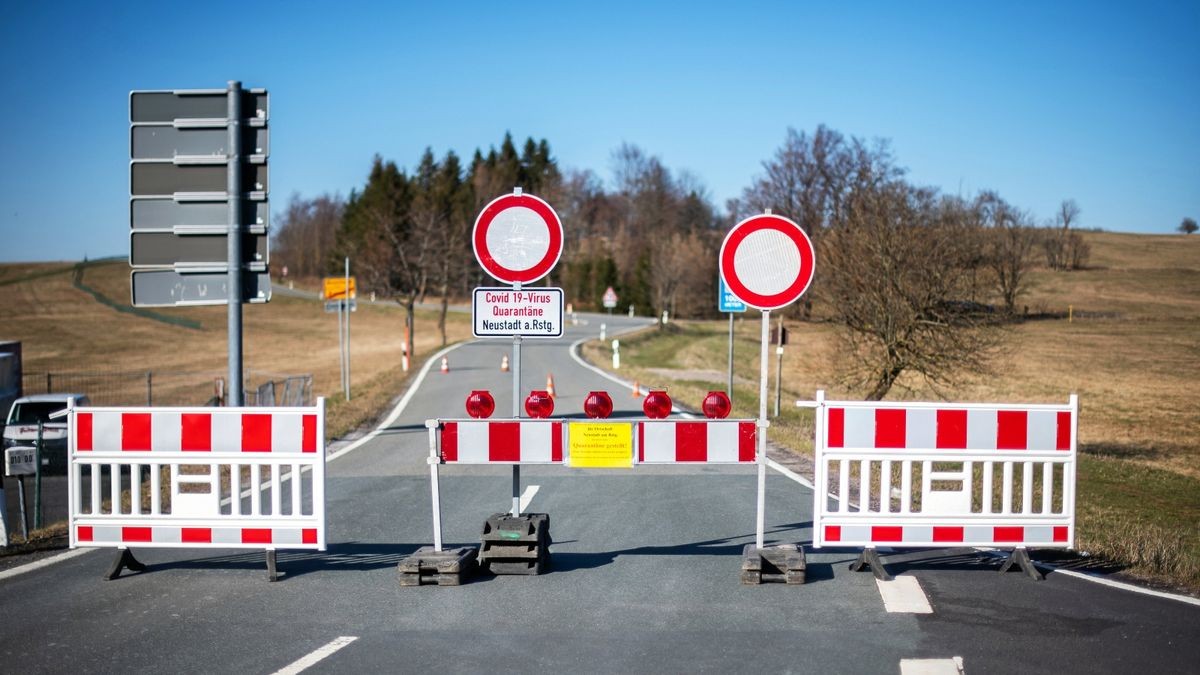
x: 445, y: 365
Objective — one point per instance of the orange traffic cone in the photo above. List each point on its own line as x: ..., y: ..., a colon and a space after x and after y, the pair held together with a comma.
x: 504, y: 364
x: 637, y: 390
x: 445, y: 365
x: 550, y: 384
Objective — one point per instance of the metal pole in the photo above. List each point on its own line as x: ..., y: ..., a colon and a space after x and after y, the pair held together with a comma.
x: 729, y: 389
x: 349, y: 299
x: 233, y: 190
x: 762, y: 431
x: 21, y: 497
x: 516, y: 413
x: 37, y: 479
x: 341, y: 347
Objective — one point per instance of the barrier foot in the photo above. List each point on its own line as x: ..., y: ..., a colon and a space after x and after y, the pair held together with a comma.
x: 272, y: 570
x: 448, y: 567
x: 515, y: 544
x: 124, y: 560
x: 784, y: 563
x: 870, y: 558
x: 1020, y: 556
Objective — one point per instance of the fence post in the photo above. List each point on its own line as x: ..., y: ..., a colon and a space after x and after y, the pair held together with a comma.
x: 49, y: 382
x: 149, y: 387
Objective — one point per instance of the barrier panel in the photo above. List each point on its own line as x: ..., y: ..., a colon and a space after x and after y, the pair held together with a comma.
x: 197, y: 478
x: 696, y: 442
x: 937, y: 474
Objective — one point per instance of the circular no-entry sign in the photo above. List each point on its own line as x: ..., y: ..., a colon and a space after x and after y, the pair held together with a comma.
x: 767, y: 261
x: 517, y: 238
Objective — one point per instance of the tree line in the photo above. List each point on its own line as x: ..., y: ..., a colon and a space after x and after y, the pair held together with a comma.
x: 921, y: 282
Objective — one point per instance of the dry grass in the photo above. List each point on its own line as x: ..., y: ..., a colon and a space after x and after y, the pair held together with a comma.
x: 1132, y: 354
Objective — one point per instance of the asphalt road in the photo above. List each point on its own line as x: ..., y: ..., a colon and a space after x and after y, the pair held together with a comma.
x: 645, y: 578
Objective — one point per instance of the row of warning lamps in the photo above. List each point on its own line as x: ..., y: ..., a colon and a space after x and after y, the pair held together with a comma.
x: 597, y: 405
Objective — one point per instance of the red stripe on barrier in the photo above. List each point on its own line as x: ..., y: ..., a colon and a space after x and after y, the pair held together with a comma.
x: 308, y: 535
x: 556, y: 442
x: 256, y: 535
x: 1060, y: 533
x: 450, y: 442
x: 1063, y: 440
x: 1012, y: 429
x: 135, y: 431
x: 137, y: 534
x: 195, y: 535
x: 195, y: 434
x: 836, y: 434
x: 951, y: 429
x: 1008, y: 535
x: 691, y: 441
x: 947, y: 534
x: 504, y: 442
x: 747, y: 442
x: 83, y: 432
x: 833, y: 533
x: 84, y: 533
x: 889, y: 427
x: 887, y: 533
x: 308, y: 440
x: 641, y: 442
x: 256, y: 433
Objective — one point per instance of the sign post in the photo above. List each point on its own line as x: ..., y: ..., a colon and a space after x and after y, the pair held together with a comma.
x: 767, y: 261
x: 198, y: 196
x: 339, y: 296
x: 518, y: 239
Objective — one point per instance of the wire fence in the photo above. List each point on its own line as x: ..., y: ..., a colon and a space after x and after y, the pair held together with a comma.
x: 170, y: 388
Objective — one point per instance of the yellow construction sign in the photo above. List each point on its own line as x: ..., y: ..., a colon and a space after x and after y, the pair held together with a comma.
x: 600, y: 445
x: 335, y: 288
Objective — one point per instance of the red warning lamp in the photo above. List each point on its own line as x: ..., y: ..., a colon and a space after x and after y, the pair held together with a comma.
x: 657, y: 404
x: 598, y: 405
x: 539, y: 404
x: 480, y: 404
x: 716, y: 405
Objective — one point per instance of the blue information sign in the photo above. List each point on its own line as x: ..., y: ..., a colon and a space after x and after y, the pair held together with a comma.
x: 727, y: 301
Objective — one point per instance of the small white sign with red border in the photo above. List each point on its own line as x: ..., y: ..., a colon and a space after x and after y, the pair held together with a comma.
x: 518, y: 238
x: 529, y: 312
x: 767, y: 261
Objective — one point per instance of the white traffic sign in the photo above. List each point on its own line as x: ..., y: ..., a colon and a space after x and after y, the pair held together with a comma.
x: 517, y: 238
x: 610, y: 298
x: 767, y: 261
x: 504, y: 312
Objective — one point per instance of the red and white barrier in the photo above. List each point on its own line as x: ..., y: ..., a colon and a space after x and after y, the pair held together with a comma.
x: 698, y: 442
x: 928, y: 474
x: 237, y: 477
x: 501, y: 442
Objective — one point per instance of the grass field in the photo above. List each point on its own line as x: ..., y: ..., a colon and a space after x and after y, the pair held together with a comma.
x: 1131, y: 352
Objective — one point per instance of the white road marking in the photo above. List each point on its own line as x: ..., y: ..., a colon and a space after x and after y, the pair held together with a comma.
x: 951, y: 666
x: 903, y: 595
x: 316, y: 656
x: 527, y: 496
x: 790, y: 474
x: 44, y: 562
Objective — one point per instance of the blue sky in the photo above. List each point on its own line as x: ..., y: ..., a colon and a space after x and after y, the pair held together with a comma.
x: 1097, y: 102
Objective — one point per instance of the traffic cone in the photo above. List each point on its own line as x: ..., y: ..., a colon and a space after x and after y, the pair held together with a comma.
x: 504, y: 364
x: 550, y: 384
x: 445, y: 365
x: 637, y: 390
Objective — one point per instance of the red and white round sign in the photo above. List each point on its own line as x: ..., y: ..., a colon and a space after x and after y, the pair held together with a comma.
x: 767, y: 261
x: 517, y: 238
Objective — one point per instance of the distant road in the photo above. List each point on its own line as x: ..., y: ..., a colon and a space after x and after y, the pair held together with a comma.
x: 645, y: 578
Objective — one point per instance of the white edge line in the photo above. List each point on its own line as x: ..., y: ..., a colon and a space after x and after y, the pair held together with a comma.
x: 45, y: 562
x: 316, y: 656
x: 399, y: 409
x: 1086, y: 576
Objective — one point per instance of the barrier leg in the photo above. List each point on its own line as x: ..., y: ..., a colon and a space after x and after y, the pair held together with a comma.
x: 124, y: 560
x: 1020, y: 556
x: 870, y: 558
x: 272, y: 570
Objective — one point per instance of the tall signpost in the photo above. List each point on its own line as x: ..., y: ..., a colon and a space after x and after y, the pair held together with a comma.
x: 517, y: 239
x: 198, y: 210
x: 767, y: 262
x: 727, y: 302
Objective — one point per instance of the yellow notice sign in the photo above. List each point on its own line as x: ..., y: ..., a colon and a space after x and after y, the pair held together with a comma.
x: 335, y: 288
x: 600, y: 445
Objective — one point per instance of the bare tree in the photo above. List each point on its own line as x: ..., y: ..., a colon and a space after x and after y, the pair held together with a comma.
x: 1065, y: 248
x: 306, y: 234
x: 1008, y: 244
x: 897, y: 269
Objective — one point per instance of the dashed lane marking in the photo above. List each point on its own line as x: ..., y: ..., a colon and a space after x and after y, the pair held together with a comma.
x: 316, y: 656
x: 951, y: 666
x: 527, y: 496
x: 903, y: 595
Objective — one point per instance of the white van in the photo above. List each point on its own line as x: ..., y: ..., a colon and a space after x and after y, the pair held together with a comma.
x: 21, y: 427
